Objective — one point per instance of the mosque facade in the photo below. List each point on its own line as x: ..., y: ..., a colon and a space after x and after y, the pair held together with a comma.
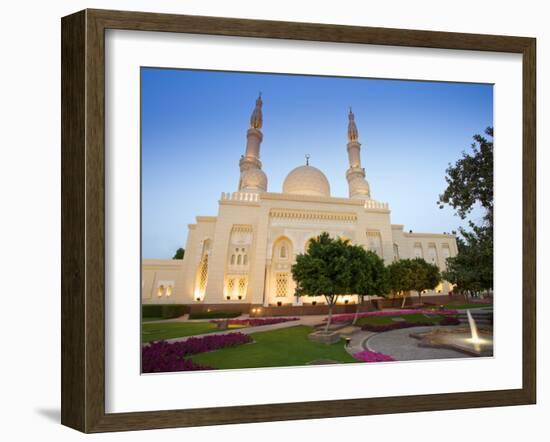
x: 243, y: 255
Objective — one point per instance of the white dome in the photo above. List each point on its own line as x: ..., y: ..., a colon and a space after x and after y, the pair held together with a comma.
x: 253, y: 179
x: 306, y: 180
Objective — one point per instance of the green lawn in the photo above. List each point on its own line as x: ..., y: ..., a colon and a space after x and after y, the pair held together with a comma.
x: 168, y: 330
x: 152, y: 319
x: 277, y: 348
x: 413, y: 317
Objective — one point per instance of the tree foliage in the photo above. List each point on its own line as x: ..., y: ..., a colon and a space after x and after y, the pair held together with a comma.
x: 470, y: 180
x: 471, y: 270
x: 413, y: 274
x: 324, y: 270
x: 179, y: 253
x: 369, y: 275
x: 470, y: 184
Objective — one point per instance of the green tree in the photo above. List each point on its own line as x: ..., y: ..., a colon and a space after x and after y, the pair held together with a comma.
x: 425, y: 276
x: 471, y: 270
x: 413, y: 274
x: 179, y: 253
x: 399, y: 277
x: 470, y: 184
x: 470, y: 180
x: 324, y: 270
x: 369, y: 276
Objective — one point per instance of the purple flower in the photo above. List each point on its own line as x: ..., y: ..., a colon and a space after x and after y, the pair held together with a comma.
x: 165, y: 356
x: 372, y: 356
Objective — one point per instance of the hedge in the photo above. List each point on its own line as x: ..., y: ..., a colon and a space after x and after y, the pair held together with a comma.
x: 164, y: 311
x: 214, y: 315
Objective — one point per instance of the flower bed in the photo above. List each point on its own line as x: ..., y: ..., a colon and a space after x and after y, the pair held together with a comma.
x: 372, y: 356
x: 254, y: 322
x: 159, y: 362
x: 350, y: 316
x: 449, y: 320
x: 169, y: 356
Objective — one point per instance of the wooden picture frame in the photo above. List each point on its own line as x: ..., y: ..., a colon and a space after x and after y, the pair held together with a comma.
x: 83, y: 220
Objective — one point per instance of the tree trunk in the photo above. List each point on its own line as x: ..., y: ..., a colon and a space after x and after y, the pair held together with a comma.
x: 357, y: 310
x: 404, y: 299
x: 329, y: 319
x: 420, y: 296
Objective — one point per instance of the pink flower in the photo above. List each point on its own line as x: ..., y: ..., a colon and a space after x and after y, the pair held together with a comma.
x: 372, y: 356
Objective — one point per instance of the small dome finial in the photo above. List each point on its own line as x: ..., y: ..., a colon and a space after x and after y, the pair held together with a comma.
x: 353, y: 133
x: 256, y: 119
x: 307, y: 159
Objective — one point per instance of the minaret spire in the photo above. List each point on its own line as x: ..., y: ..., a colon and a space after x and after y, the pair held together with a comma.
x: 358, y: 186
x: 252, y: 178
x: 353, y: 133
x: 256, y: 119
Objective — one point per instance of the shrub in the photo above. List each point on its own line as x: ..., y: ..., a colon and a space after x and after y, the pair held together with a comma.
x: 164, y: 311
x: 449, y: 320
x: 213, y: 315
x: 372, y: 356
x: 351, y: 316
x: 394, y: 326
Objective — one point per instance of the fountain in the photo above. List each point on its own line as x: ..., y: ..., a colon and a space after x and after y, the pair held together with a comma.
x: 471, y: 340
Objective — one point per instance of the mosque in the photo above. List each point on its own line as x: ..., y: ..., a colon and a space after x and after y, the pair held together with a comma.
x: 242, y: 258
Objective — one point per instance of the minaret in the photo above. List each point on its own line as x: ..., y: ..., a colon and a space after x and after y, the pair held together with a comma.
x: 358, y: 185
x: 253, y: 179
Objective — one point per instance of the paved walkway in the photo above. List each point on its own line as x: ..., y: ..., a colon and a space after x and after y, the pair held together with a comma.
x: 304, y: 320
x: 400, y: 346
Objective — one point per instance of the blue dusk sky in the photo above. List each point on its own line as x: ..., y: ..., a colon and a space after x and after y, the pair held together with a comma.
x: 194, y: 127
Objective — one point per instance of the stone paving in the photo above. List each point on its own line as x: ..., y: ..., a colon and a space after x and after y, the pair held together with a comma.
x: 400, y: 346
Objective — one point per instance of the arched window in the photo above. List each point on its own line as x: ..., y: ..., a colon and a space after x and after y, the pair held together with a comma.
x: 230, y: 286
x: 232, y: 259
x: 432, y: 253
x: 418, y: 253
x: 374, y: 241
x: 281, y: 284
x: 245, y: 260
x: 202, y: 271
x: 446, y: 253
x: 282, y: 249
x: 242, y: 287
x: 203, y: 274
x: 160, y: 291
x: 239, y: 259
x: 395, y: 252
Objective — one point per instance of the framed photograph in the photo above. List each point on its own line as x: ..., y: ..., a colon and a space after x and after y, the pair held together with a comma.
x: 266, y: 221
